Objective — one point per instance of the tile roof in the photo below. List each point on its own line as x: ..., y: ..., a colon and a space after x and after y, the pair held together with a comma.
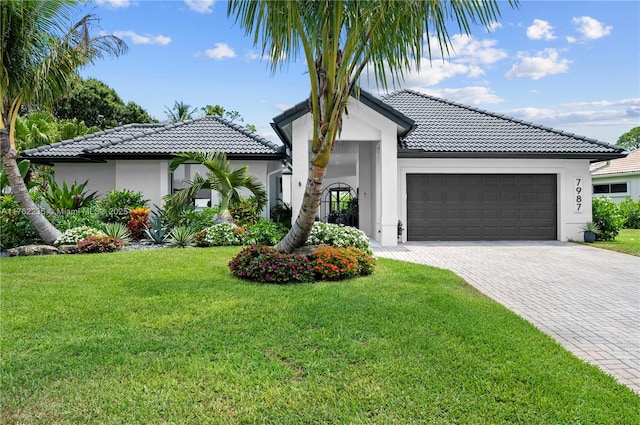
x: 161, y: 140
x: 629, y: 164
x: 444, y: 127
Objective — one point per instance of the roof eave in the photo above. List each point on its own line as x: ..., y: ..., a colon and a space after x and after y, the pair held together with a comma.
x: 593, y: 157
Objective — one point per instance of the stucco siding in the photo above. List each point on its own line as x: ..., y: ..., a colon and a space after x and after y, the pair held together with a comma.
x: 101, y: 176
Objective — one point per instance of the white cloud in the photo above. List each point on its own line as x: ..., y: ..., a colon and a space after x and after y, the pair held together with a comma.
x: 113, y: 4
x: 251, y: 55
x: 466, y: 95
x: 143, y: 39
x: 494, y: 26
x: 200, y: 6
x: 468, y: 49
x: 220, y: 51
x: 540, y: 30
x: 545, y: 63
x: 590, y: 28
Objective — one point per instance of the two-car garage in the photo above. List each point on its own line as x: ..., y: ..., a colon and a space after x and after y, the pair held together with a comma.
x: 463, y: 207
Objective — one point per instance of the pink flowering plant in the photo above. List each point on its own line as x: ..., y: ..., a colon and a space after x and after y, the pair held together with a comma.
x: 94, y: 244
x: 260, y: 263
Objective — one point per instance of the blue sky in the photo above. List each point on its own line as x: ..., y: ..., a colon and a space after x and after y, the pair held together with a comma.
x: 570, y: 65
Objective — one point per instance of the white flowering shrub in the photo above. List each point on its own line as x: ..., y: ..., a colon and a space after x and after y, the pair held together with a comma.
x: 338, y: 235
x: 223, y: 234
x: 76, y: 234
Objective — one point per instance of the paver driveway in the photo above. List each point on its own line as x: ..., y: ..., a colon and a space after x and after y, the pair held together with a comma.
x: 586, y: 298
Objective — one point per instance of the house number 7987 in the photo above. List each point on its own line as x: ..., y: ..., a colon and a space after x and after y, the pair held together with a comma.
x: 578, y: 195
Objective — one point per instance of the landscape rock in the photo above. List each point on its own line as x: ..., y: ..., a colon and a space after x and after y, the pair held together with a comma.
x: 68, y: 249
x: 28, y: 250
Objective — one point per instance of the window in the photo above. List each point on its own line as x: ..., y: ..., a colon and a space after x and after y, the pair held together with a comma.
x: 339, y: 199
x: 610, y: 188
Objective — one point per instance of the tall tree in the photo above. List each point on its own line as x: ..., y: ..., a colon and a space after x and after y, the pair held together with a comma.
x: 338, y: 40
x: 41, y: 52
x: 97, y: 104
x: 221, y: 178
x: 631, y: 139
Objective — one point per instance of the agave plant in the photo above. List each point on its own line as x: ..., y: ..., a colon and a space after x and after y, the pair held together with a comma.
x: 118, y: 231
x: 182, y: 237
x: 156, y: 232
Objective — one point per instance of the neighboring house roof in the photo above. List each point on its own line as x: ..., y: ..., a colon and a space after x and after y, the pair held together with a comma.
x: 448, y: 129
x: 281, y: 123
x: 140, y: 141
x: 628, y: 165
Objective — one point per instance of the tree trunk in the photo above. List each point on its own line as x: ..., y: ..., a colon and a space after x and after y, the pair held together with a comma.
x: 47, y: 232
x: 301, y: 228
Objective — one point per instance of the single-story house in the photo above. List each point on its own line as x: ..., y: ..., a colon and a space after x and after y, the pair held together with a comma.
x: 137, y: 157
x: 420, y: 167
x: 617, y: 178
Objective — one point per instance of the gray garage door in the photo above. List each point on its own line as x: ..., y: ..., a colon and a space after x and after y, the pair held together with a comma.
x: 465, y: 207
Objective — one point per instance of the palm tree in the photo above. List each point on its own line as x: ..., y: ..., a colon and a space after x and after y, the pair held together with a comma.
x: 41, y: 52
x: 180, y: 112
x: 220, y: 178
x: 339, y: 40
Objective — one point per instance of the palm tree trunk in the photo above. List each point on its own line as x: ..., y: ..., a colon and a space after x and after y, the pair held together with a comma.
x: 47, y: 232
x: 301, y: 228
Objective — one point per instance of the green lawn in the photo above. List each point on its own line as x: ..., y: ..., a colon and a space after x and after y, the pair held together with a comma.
x: 169, y: 336
x: 627, y: 241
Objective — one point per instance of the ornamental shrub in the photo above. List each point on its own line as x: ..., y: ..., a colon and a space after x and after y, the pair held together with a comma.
x: 15, y: 227
x: 334, y: 263
x: 338, y: 235
x: 94, y: 244
x: 606, y: 214
x: 223, y: 234
x: 630, y: 210
x: 76, y: 218
x: 115, y: 206
x: 76, y: 234
x: 138, y: 223
x: 264, y: 232
x: 264, y: 264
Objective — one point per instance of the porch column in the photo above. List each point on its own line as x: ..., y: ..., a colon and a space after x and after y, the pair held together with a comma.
x: 388, y: 181
x: 301, y: 129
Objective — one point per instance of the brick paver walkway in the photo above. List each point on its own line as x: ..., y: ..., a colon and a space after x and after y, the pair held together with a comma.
x: 586, y: 298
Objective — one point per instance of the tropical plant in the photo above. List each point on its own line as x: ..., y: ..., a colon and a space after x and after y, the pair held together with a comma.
x: 590, y: 226
x: 156, y: 231
x: 223, y: 234
x: 180, y: 112
x: 139, y: 223
x: 281, y: 213
x: 246, y: 211
x: 75, y: 218
x: 182, y: 237
x: 115, y: 207
x: 41, y: 52
x: 221, y: 178
x: 339, y: 40
x: 264, y: 232
x: 36, y: 129
x: 67, y: 198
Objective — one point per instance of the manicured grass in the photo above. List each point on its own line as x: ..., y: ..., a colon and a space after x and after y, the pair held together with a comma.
x: 627, y: 241
x: 169, y: 336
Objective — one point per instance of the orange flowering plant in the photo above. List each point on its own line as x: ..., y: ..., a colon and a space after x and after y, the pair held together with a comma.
x: 334, y: 263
